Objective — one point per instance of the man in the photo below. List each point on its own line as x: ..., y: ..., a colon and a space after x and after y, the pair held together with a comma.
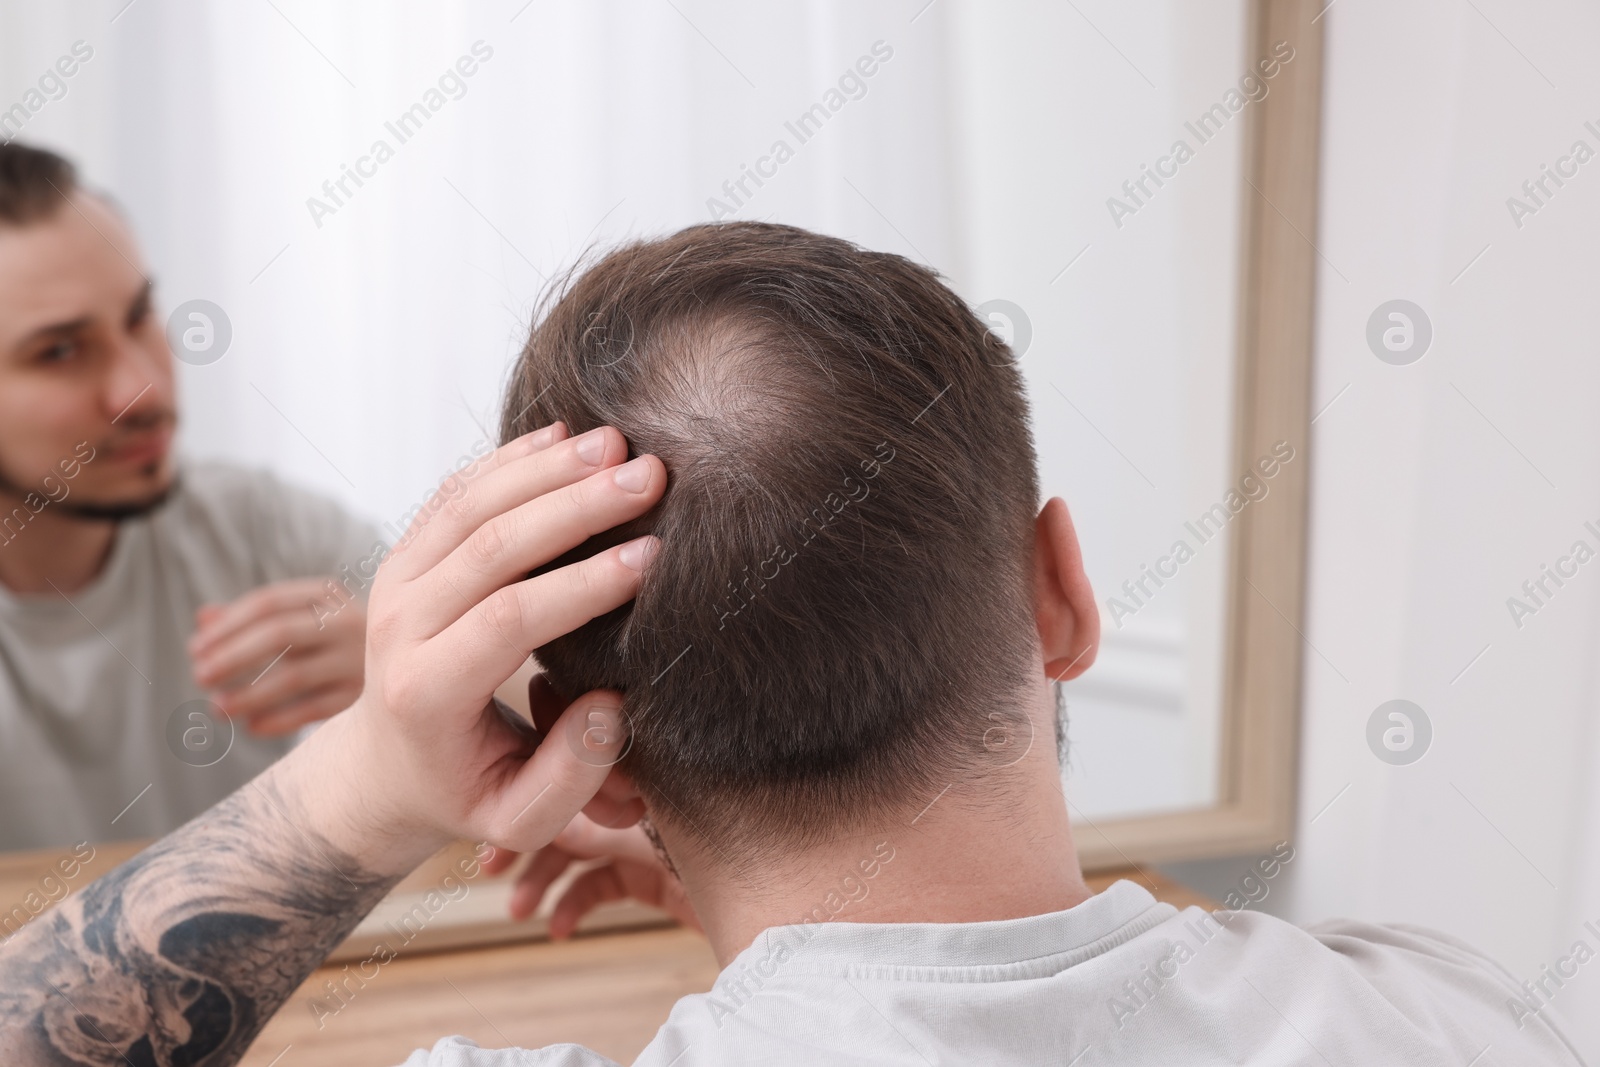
x: 831, y: 697
x: 135, y: 602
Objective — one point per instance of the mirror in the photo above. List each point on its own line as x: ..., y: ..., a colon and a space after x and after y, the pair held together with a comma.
x: 362, y: 210
x: 1117, y: 237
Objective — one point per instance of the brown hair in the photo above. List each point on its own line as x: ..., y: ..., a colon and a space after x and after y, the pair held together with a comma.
x: 33, y: 183
x: 843, y: 597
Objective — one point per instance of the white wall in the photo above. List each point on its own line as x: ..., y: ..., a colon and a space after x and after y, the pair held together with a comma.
x: 1439, y: 487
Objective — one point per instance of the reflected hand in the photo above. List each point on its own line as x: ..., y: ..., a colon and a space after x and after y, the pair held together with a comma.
x: 282, y: 655
x: 633, y: 871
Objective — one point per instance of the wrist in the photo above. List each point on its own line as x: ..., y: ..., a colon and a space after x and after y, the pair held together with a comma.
x: 334, y: 779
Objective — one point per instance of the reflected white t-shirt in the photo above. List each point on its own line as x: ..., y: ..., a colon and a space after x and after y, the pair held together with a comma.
x: 1120, y: 979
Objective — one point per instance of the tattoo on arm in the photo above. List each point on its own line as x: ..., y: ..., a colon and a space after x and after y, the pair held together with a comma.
x: 182, y: 954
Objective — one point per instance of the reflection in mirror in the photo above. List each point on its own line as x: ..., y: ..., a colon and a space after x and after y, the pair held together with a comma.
x: 348, y: 264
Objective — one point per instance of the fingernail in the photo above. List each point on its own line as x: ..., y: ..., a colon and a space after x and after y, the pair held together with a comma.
x: 637, y: 554
x: 591, y: 446
x: 634, y: 475
x: 542, y: 438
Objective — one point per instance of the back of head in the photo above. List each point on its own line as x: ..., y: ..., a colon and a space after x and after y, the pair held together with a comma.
x: 34, y: 183
x: 843, y: 597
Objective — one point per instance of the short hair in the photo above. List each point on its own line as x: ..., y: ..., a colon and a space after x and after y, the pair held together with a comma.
x: 842, y: 607
x: 34, y: 183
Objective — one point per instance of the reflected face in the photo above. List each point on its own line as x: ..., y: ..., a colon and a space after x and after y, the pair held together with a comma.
x: 83, y: 358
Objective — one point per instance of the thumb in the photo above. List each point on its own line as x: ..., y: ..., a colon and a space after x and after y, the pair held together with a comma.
x: 563, y: 774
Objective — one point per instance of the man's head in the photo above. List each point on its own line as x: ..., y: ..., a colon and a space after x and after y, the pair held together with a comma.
x: 84, y: 364
x: 842, y: 613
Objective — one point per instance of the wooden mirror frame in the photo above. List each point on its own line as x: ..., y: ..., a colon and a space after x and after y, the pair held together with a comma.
x: 1266, y: 577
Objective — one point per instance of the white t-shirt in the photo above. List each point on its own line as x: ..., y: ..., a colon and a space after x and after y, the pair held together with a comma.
x: 89, y: 687
x: 1118, y: 980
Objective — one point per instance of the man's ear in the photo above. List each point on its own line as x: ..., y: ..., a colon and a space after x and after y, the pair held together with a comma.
x: 1064, y: 607
x: 618, y: 803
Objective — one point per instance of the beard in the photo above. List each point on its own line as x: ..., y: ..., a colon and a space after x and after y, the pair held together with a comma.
x: 119, y: 510
x: 96, y: 510
x: 108, y: 511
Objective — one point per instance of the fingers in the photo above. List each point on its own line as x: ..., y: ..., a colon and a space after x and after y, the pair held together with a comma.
x: 621, y: 880
x: 498, y: 860
x: 517, y: 472
x: 488, y: 644
x: 638, y: 870
x: 588, y: 840
x: 554, y: 784
x: 312, y: 708
x: 587, y: 892
x: 509, y: 545
x: 220, y: 623
x: 242, y: 657
x: 293, y: 677
x: 547, y: 865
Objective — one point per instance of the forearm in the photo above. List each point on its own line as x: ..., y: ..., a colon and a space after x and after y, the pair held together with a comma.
x: 182, y: 954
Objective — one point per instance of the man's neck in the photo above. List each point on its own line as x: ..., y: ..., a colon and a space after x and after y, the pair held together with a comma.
x: 50, y: 552
x: 967, y: 858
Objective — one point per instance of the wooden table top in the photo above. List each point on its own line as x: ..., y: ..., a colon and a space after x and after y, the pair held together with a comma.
x: 609, y: 991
